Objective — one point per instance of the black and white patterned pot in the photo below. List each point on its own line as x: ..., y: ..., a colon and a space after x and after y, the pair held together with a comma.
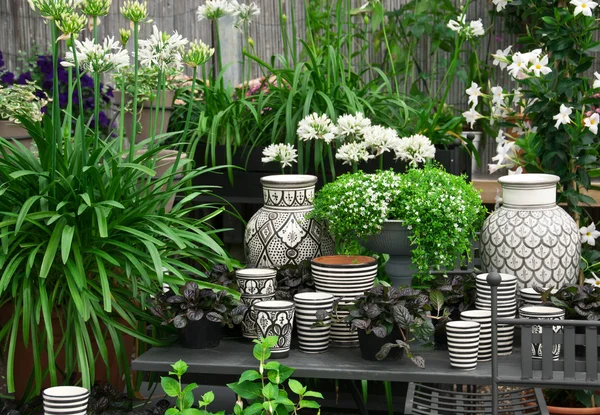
x: 346, y: 277
x: 249, y: 321
x: 279, y: 233
x: 543, y: 313
x: 311, y: 338
x: 276, y: 318
x: 256, y: 281
x: 530, y: 236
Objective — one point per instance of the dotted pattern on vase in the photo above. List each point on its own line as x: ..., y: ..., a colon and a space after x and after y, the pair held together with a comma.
x: 537, y: 246
x: 274, y: 239
x: 289, y: 198
x: 276, y: 323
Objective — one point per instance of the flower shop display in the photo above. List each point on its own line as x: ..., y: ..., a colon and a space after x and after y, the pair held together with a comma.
x: 87, y: 238
x: 543, y: 313
x: 442, y: 212
x: 280, y: 232
x: 59, y: 400
x: 276, y: 318
x: 530, y: 236
x: 387, y: 320
x: 313, y: 332
x: 463, y: 344
x: 199, y: 314
x: 346, y: 277
x: 484, y: 318
x: 507, y: 307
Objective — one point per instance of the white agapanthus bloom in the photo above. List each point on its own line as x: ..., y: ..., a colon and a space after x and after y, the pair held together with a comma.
x: 500, y: 57
x: 591, y: 122
x: 243, y: 13
x: 350, y: 127
x: 471, y: 116
x: 53, y: 9
x: 214, y: 9
x: 472, y: 29
x: 316, y: 127
x: 497, y: 95
x: 597, y: 80
x: 456, y: 26
x: 540, y: 66
x: 285, y: 154
x: 474, y: 92
x: 476, y: 28
x: 589, y: 234
x: 584, y: 7
x: 563, y: 117
x: 353, y: 153
x: 97, y: 58
x: 500, y: 4
x: 162, y: 50
x: 379, y: 139
x: 415, y: 149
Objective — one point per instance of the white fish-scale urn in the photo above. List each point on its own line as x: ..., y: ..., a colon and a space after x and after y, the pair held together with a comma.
x: 280, y: 233
x: 530, y: 236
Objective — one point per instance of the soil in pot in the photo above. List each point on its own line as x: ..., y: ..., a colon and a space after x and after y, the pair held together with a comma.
x: 370, y: 344
x: 202, y: 334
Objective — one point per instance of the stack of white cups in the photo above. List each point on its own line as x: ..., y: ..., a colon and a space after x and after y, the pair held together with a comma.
x: 484, y: 318
x: 506, y: 307
x: 66, y: 400
x: 463, y: 343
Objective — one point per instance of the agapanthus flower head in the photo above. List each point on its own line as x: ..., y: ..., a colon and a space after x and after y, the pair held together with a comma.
x: 162, y: 50
x: 468, y: 30
x: 316, y: 127
x: 124, y: 35
x: 379, y: 139
x: 197, y: 54
x: 243, y: 13
x: 353, y: 153
x: 285, y: 154
x: 135, y: 11
x: 415, y: 149
x: 214, y: 9
x: 53, y: 9
x: 95, y: 8
x: 71, y: 23
x: 350, y: 127
x: 98, y: 58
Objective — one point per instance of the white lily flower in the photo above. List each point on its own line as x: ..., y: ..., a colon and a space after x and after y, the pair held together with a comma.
x: 597, y: 80
x: 589, y: 234
x: 563, y: 117
x: 584, y: 7
x: 591, y: 122
x: 471, y: 116
x: 500, y: 57
x: 474, y: 92
x: 540, y: 67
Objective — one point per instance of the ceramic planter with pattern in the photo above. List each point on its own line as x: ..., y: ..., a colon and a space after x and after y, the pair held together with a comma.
x: 276, y: 318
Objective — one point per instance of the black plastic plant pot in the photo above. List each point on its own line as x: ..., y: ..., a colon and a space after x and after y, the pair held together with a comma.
x: 370, y: 345
x: 202, y: 334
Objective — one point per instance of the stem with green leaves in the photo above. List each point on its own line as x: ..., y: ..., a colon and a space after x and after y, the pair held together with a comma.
x: 80, y: 122
x: 136, y: 66
x: 55, y: 104
x: 96, y: 109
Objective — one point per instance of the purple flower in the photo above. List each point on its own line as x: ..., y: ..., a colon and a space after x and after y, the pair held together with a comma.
x: 87, y: 81
x: 24, y: 78
x: 63, y: 99
x: 1, y: 60
x: 45, y: 65
x: 7, y: 78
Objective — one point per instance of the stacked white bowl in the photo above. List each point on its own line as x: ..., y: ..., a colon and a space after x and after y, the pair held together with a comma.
x: 484, y: 318
x: 530, y: 296
x: 506, y: 307
x: 66, y: 400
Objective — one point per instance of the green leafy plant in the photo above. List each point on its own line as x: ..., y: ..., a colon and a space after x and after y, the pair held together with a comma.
x: 264, y: 389
x: 294, y: 279
x: 451, y: 295
x: 580, y: 302
x: 383, y: 308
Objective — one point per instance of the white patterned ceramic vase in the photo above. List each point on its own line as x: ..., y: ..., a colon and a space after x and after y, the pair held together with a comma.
x: 280, y: 233
x: 530, y: 236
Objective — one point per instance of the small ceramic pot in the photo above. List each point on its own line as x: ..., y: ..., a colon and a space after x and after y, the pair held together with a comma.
x: 201, y: 334
x: 276, y: 318
x: 483, y: 317
x: 63, y: 400
x: 249, y: 321
x: 256, y: 281
x: 463, y: 344
x: 543, y: 313
x: 313, y: 339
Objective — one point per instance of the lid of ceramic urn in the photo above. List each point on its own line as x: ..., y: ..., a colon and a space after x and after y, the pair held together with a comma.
x: 529, y: 189
x: 288, y: 181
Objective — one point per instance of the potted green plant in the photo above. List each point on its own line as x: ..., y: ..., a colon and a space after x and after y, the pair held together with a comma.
x: 387, y: 320
x: 425, y: 219
x: 199, y: 314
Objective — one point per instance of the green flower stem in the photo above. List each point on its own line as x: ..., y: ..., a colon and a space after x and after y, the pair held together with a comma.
x: 294, y: 36
x: 122, y: 116
x: 136, y: 66
x: 96, y: 109
x: 219, y: 57
x: 55, y: 105
x: 331, y: 161
x: 163, y: 104
x: 390, y: 56
x: 69, y: 121
x: 83, y: 146
x: 283, y: 25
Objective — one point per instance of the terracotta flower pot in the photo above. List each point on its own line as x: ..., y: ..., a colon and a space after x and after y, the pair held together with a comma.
x: 559, y: 410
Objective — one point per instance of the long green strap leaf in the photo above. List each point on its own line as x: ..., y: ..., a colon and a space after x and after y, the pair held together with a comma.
x: 52, y: 248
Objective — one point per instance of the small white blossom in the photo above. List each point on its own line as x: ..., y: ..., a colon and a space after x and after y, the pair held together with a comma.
x: 591, y: 122
x: 285, y: 154
x: 471, y: 116
x: 456, y: 26
x: 589, y: 234
x: 316, y: 127
x: 214, y: 9
x: 595, y: 281
x: 518, y: 65
x: 500, y: 4
x: 353, y: 153
x: 497, y: 95
x: 243, y: 13
x: 162, y: 50
x: 597, y: 80
x: 540, y: 67
x: 415, y: 149
x: 584, y: 7
x: 476, y: 28
x: 350, y: 127
x: 500, y: 57
x: 96, y: 58
x: 474, y: 92
x: 519, y: 170
x: 563, y: 117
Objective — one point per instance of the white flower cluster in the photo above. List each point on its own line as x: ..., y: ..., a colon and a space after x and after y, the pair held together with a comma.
x: 522, y: 65
x: 469, y: 30
x: 507, y: 153
x: 215, y: 9
x: 361, y: 141
x: 162, y: 50
x: 500, y: 4
x: 97, y: 58
x: 285, y: 154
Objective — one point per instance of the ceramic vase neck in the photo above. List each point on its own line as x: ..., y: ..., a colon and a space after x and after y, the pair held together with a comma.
x: 529, y: 191
x: 289, y: 192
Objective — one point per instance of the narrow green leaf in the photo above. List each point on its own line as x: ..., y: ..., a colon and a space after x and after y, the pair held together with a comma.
x: 51, y: 249
x: 65, y: 245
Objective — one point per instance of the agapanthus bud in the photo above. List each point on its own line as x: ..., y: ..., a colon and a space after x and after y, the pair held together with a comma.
x: 198, y: 54
x: 135, y: 11
x: 284, y: 17
x: 71, y: 23
x: 124, y: 35
x: 95, y: 8
x: 53, y: 9
x: 250, y: 41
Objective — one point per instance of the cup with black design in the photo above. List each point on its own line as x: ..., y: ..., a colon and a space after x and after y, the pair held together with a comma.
x: 276, y: 318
